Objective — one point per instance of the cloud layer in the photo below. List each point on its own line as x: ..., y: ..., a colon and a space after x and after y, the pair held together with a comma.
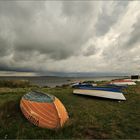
x: 69, y: 36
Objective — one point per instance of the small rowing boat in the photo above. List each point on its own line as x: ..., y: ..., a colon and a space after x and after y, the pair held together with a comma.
x: 43, y: 110
x: 123, y: 82
x: 82, y: 85
x: 109, y: 93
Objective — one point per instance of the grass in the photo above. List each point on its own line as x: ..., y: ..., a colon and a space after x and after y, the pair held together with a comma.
x: 89, y: 117
x: 16, y: 83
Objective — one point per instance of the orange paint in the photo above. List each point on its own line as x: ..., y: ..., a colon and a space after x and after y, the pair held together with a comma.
x: 44, y: 114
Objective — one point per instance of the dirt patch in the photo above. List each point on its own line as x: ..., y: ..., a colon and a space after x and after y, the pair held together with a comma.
x: 95, y: 132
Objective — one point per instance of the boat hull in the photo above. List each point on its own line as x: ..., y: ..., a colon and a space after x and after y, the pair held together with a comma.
x: 100, y: 93
x: 123, y: 83
x: 46, y: 114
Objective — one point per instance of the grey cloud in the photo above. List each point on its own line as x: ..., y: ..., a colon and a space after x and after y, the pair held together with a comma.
x: 20, y: 9
x: 3, y: 47
x: 16, y: 69
x: 55, y: 50
x: 91, y: 50
x: 134, y: 37
x: 36, y: 33
x: 109, y: 16
x: 6, y: 66
x: 51, y: 36
x: 60, y: 43
x: 78, y: 9
x: 122, y: 59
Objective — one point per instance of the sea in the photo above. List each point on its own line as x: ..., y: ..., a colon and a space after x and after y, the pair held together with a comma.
x: 52, y: 81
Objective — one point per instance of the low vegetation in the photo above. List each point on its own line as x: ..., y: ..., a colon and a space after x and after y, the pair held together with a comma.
x: 16, y: 84
x: 89, y: 117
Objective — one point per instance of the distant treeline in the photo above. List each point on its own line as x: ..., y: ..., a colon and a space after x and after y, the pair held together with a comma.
x: 14, y: 83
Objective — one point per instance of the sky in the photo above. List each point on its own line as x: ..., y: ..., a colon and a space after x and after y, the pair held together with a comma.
x: 63, y: 37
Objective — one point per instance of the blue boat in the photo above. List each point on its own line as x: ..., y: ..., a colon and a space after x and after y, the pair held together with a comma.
x: 82, y: 85
x: 117, y: 86
x: 102, y: 88
x: 109, y: 87
x: 109, y: 93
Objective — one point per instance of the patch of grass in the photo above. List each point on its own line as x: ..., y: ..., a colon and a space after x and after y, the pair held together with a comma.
x: 89, y: 117
x: 15, y: 83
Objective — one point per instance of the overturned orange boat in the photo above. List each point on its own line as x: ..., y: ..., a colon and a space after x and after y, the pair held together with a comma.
x: 43, y: 110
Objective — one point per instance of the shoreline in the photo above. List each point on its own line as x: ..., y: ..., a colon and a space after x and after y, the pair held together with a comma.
x: 57, y: 81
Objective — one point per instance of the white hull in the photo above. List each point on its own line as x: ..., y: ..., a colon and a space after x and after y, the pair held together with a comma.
x: 94, y: 84
x: 123, y: 83
x: 135, y: 80
x: 100, y: 93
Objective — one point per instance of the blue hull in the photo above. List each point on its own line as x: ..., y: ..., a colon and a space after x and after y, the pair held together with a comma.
x: 105, y: 88
x: 109, y: 87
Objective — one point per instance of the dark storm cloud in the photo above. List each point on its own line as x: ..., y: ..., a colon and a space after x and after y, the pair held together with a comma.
x: 46, y: 38
x: 5, y: 67
x: 54, y: 50
x: 55, y: 36
x: 38, y: 31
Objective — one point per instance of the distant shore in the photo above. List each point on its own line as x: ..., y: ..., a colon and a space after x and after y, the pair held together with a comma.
x: 53, y: 81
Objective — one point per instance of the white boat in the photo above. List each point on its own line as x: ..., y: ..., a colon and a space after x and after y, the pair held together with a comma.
x: 135, y: 80
x: 123, y: 82
x: 100, y: 93
x: 94, y: 84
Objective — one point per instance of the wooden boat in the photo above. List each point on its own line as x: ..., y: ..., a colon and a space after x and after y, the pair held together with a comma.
x: 123, y: 82
x: 100, y: 93
x: 43, y: 110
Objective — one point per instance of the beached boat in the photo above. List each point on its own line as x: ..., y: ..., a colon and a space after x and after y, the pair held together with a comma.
x: 83, y: 85
x: 123, y: 82
x: 118, y: 87
x: 110, y: 94
x: 104, y: 88
x: 43, y: 110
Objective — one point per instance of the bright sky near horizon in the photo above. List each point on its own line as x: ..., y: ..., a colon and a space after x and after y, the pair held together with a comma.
x: 69, y: 36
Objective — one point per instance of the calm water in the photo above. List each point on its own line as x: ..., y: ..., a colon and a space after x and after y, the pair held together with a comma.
x: 56, y: 81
